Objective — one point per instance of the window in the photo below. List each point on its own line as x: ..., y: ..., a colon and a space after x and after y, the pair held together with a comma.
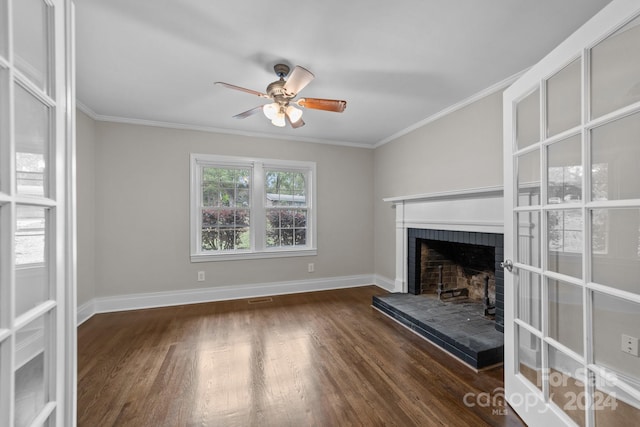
x: 244, y: 208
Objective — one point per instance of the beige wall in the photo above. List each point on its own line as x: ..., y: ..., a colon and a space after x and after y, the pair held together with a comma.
x: 133, y: 199
x: 142, y: 210
x: 85, y: 186
x: 459, y: 151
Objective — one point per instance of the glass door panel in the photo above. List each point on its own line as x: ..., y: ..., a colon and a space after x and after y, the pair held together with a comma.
x: 615, y: 243
x: 528, y: 120
x: 31, y: 40
x: 564, y: 237
x: 564, y: 171
x: 5, y: 135
x: 528, y: 249
x: 4, y: 29
x: 566, y: 314
x: 615, y: 66
x: 615, y: 156
x: 529, y: 298
x: 33, y: 130
x: 529, y: 356
x: 31, y: 370
x: 32, y: 271
x: 564, y: 104
x: 528, y: 167
x: 613, y: 403
x: 567, y: 385
x: 613, y: 319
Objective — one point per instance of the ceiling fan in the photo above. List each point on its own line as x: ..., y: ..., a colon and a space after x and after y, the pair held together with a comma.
x: 282, y: 92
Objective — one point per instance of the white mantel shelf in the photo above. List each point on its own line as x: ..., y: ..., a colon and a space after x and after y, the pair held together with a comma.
x: 471, y: 193
x: 476, y: 209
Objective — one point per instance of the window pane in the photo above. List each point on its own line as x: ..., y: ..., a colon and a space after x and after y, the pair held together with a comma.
x: 529, y: 295
x: 612, y: 318
x: 528, y: 250
x: 566, y: 385
x: 31, y: 235
x: 615, y: 156
x: 529, y: 356
x: 32, y: 143
x: 4, y: 29
x: 529, y: 179
x: 285, y: 227
x: 228, y: 187
x: 612, y: 405
x: 30, y: 372
x: 615, y: 66
x: 226, y: 199
x: 4, y: 129
x: 285, y: 188
x: 564, y: 233
x: 225, y: 229
x: 528, y: 120
x: 564, y: 99
x: 565, y: 314
x: 564, y: 173
x: 31, y: 40
x: 615, y: 242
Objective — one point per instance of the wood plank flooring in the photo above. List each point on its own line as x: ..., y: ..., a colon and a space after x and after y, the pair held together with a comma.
x: 313, y: 359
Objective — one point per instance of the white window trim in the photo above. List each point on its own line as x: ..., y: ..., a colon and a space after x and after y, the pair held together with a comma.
x: 257, y: 216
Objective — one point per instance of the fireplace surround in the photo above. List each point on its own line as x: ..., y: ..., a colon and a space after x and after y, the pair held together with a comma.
x: 465, y: 217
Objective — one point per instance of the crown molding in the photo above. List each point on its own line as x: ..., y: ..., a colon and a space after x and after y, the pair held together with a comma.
x: 502, y: 85
x: 179, y: 126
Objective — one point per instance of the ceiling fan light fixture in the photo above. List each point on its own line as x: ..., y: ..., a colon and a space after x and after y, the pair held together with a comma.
x: 271, y: 110
x: 279, y: 120
x: 282, y: 92
x: 294, y: 113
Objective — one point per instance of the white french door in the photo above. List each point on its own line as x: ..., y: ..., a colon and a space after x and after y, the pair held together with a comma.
x: 572, y: 228
x: 37, y: 296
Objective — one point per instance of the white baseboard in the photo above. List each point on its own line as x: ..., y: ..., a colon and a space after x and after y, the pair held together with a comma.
x: 85, y: 311
x: 384, y: 283
x: 223, y: 293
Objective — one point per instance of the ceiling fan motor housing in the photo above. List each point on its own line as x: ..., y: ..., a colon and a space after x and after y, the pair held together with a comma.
x: 276, y: 92
x: 281, y: 70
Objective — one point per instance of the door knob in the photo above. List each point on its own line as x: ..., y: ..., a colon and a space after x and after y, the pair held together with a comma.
x: 507, y: 264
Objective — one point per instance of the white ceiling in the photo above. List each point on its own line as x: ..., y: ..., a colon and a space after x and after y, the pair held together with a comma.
x: 395, y: 62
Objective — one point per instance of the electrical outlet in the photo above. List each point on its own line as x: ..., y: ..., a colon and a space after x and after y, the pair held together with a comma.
x: 200, y: 276
x: 311, y: 268
x: 630, y: 345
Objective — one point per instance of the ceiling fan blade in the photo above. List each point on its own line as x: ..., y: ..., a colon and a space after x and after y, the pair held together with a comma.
x: 242, y: 89
x: 323, y: 104
x: 299, y: 78
x: 294, y: 125
x: 248, y: 113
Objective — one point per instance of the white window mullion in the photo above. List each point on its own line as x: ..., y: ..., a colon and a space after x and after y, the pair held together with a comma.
x: 258, y: 222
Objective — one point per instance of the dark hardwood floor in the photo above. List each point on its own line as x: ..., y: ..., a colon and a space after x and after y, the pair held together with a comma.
x: 314, y: 359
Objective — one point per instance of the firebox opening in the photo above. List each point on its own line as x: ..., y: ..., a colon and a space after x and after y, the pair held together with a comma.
x: 458, y: 271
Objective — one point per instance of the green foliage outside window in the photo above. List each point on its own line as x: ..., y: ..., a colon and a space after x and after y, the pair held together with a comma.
x: 225, y: 229
x: 286, y: 227
x: 225, y: 211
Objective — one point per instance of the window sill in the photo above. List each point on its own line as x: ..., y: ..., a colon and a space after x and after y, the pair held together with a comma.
x: 253, y: 255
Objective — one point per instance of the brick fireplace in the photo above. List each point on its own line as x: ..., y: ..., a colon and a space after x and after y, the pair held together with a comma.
x: 467, y: 256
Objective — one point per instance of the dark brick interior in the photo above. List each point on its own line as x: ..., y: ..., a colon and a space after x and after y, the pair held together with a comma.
x: 416, y: 235
x: 457, y: 266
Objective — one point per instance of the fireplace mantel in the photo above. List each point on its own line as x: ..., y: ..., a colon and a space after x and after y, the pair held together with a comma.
x: 477, y: 209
